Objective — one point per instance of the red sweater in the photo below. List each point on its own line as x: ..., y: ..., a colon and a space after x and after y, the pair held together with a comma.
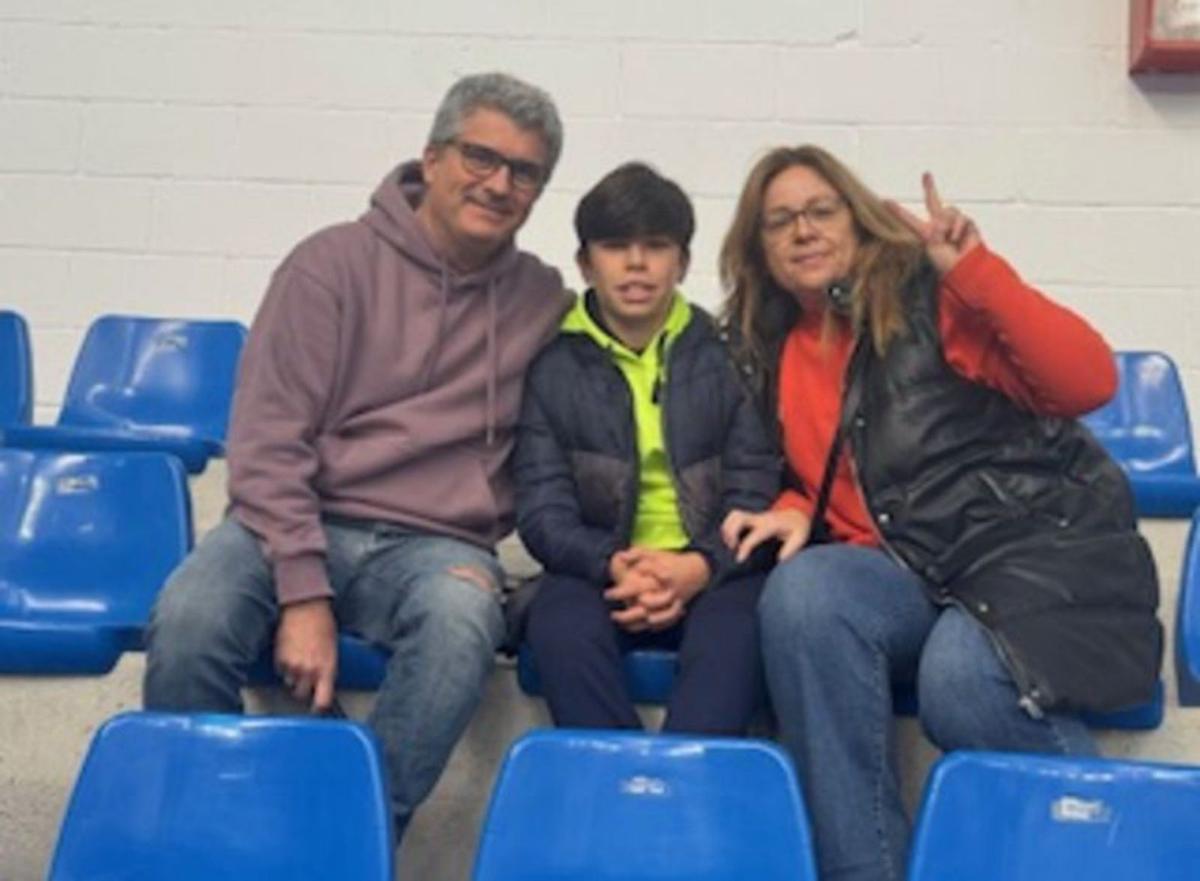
x: 996, y: 330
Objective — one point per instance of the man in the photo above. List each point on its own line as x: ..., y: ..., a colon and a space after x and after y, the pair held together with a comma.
x: 371, y: 426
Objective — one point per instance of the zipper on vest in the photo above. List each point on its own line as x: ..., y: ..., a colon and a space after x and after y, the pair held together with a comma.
x: 855, y: 423
x: 632, y: 449
x: 662, y: 383
x: 862, y: 497
x: 1027, y: 692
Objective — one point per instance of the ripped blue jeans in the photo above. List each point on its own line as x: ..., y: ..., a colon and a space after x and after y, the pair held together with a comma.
x: 393, y: 586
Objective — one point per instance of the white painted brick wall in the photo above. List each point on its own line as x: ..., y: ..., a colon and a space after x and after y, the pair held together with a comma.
x: 162, y: 157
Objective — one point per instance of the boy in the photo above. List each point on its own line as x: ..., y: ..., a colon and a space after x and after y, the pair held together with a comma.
x: 636, y: 439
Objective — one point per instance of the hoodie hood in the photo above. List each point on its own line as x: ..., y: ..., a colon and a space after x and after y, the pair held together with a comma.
x: 581, y: 320
x: 393, y: 216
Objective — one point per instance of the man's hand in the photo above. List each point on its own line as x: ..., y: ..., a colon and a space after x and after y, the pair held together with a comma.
x: 306, y: 652
x: 742, y: 531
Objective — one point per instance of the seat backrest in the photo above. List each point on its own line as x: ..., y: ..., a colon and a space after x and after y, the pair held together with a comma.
x: 89, y: 538
x: 16, y: 371
x: 168, y: 376
x: 603, y: 806
x: 995, y: 817
x: 1187, y: 621
x: 204, y: 797
x: 1145, y: 426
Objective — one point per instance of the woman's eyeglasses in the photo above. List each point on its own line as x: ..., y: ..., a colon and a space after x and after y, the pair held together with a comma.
x: 820, y: 214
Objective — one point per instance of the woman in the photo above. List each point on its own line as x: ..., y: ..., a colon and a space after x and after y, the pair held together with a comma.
x: 961, y: 532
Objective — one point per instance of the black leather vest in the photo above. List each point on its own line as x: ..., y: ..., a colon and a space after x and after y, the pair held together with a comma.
x: 1022, y: 520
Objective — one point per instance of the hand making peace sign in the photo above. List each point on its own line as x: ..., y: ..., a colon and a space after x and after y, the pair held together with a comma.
x: 948, y: 234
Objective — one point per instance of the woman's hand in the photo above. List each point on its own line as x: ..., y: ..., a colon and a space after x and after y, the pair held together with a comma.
x: 743, y: 531
x: 948, y: 234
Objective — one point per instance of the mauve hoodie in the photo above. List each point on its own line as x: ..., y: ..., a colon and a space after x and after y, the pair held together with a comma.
x: 379, y: 384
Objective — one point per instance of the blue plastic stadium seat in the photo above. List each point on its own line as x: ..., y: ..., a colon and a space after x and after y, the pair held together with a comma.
x: 1145, y: 427
x: 601, y: 806
x: 649, y: 674
x: 147, y: 384
x: 1000, y: 817
x: 361, y: 665
x: 198, y: 798
x: 86, y: 541
x: 16, y: 371
x: 1187, y: 621
x: 1140, y: 718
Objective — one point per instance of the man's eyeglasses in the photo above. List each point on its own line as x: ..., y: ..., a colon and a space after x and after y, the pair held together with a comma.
x: 481, y: 161
x: 820, y: 214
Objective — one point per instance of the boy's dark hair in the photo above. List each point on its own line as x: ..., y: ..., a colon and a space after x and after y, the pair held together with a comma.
x: 635, y: 200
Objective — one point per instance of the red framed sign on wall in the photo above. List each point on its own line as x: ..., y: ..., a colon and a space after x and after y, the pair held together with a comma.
x: 1164, y: 35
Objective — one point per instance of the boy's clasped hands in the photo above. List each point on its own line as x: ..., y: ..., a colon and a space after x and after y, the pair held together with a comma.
x: 652, y: 588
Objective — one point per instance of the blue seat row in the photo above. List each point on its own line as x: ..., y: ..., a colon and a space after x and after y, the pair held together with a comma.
x: 145, y: 384
x: 590, y: 805
x: 166, y: 384
x: 166, y: 795
x: 81, y: 564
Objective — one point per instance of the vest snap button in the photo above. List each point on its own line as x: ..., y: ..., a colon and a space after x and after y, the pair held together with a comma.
x: 860, y: 422
x: 884, y: 518
x: 983, y: 608
x: 1063, y: 523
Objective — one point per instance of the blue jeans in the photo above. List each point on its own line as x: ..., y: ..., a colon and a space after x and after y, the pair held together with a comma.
x: 840, y: 624
x: 217, y: 614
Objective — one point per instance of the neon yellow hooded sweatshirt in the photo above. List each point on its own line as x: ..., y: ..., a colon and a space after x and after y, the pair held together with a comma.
x: 657, y: 523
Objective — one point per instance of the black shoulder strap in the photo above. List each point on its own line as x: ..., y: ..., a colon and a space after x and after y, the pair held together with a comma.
x: 850, y: 398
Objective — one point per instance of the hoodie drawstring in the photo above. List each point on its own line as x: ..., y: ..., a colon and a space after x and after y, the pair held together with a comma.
x: 493, y: 354
x: 492, y: 362
x: 435, y: 346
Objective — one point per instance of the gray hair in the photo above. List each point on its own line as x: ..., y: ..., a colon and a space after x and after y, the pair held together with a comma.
x: 528, y: 106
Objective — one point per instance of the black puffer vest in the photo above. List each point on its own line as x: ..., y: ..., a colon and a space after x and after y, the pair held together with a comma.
x: 1021, y: 520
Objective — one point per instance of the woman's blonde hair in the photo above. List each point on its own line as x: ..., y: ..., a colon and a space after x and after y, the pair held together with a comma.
x: 761, y: 312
